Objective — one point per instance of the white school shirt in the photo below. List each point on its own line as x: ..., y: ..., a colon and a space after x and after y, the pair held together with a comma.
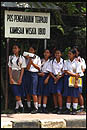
x: 55, y: 67
x: 73, y: 66
x: 36, y: 61
x: 82, y: 62
x: 44, y: 65
x: 21, y: 63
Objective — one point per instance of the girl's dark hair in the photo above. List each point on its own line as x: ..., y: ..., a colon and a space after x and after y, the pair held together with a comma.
x: 17, y: 44
x: 58, y: 50
x: 11, y: 60
x: 33, y: 46
x: 47, y: 49
x: 73, y: 51
x: 76, y: 47
x: 17, y: 61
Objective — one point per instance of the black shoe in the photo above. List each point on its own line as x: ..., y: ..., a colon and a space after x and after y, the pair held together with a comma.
x: 22, y: 109
x: 17, y: 110
x: 29, y: 110
x: 60, y: 111
x: 45, y: 110
x: 39, y: 110
x: 74, y: 112
x: 34, y: 111
x: 55, y: 110
x: 67, y: 111
x: 80, y: 110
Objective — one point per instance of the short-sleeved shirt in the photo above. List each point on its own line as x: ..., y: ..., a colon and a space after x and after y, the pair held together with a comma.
x: 82, y: 62
x: 56, y: 67
x: 13, y: 62
x: 36, y: 61
x: 44, y: 65
x: 73, y: 66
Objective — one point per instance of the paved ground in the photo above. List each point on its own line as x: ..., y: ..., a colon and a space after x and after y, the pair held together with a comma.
x: 70, y: 119
x: 17, y: 117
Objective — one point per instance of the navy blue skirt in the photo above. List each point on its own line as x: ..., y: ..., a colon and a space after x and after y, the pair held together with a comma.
x: 55, y: 88
x: 34, y: 83
x: 18, y: 90
x: 27, y: 82
x: 60, y: 85
x: 43, y: 90
x: 52, y: 86
x: 69, y: 91
x: 31, y: 83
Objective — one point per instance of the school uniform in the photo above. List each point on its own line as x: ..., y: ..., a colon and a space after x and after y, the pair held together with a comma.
x: 83, y: 65
x: 32, y: 77
x: 25, y: 80
x: 56, y: 68
x: 17, y: 63
x: 43, y: 90
x: 82, y: 62
x: 74, y: 67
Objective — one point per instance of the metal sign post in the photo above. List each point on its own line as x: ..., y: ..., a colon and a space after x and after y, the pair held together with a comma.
x: 6, y: 88
x: 45, y: 43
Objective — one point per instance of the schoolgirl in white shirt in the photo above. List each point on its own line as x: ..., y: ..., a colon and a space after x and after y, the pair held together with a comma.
x: 43, y: 88
x: 72, y: 69
x: 33, y: 67
x: 16, y: 70
x: 83, y: 67
x: 56, y: 80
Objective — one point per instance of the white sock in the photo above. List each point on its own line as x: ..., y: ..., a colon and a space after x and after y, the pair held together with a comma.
x: 39, y: 105
x: 29, y: 104
x: 44, y: 105
x: 60, y: 108
x: 68, y: 105
x: 82, y: 106
x: 36, y: 105
x: 17, y: 105
x: 20, y: 103
x: 75, y: 105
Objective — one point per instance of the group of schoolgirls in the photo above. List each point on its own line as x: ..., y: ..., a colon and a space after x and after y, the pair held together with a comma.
x: 40, y: 78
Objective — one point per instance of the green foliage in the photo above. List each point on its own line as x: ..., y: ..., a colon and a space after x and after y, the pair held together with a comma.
x: 83, y: 9
x: 71, y: 8
x: 65, y: 53
x: 58, y: 18
x: 60, y: 28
